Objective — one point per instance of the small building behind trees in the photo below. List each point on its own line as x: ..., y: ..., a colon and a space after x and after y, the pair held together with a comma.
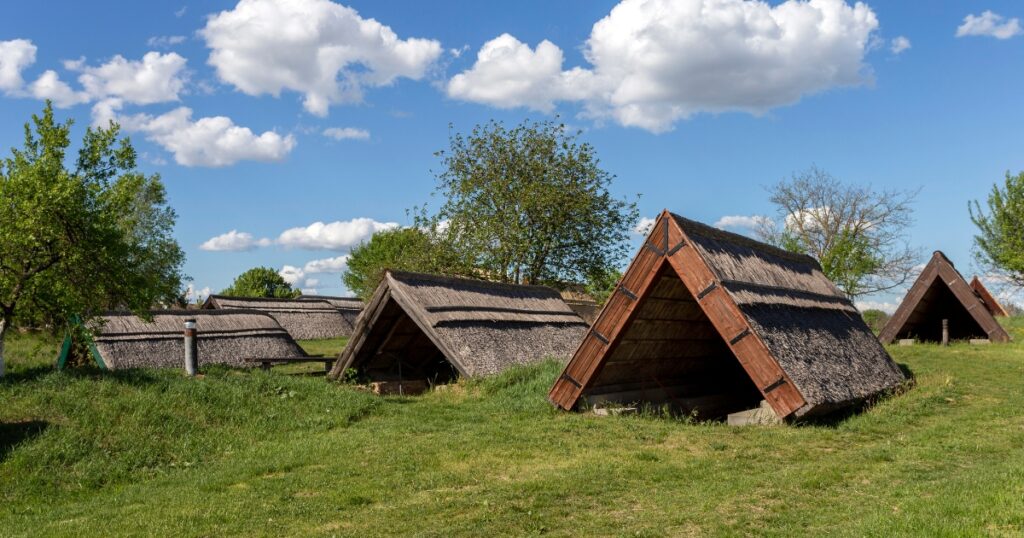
x: 303, y: 319
x: 941, y: 293
x: 419, y: 328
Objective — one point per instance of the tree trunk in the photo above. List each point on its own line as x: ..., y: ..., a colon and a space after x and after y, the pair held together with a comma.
x: 3, y: 331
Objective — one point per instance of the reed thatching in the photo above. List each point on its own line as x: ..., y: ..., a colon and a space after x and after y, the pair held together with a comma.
x: 304, y: 319
x: 420, y: 326
x: 941, y: 293
x: 711, y: 322
x: 350, y: 308
x: 224, y: 337
x: 993, y: 305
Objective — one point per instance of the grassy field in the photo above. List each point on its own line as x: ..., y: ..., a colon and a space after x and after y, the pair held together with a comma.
x: 268, y: 454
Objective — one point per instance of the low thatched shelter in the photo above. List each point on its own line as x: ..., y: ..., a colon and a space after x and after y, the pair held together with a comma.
x: 350, y: 308
x: 941, y: 293
x: 125, y: 340
x: 303, y: 319
x: 434, y: 328
x: 990, y: 301
x: 710, y: 322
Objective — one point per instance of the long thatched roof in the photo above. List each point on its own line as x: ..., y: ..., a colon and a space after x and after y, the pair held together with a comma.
x: 990, y: 301
x: 304, y: 319
x: 418, y: 324
x: 712, y: 322
x: 941, y: 293
x: 125, y: 340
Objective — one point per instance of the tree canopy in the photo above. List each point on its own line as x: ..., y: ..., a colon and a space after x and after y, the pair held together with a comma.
x: 999, y: 243
x: 261, y: 282
x: 76, y: 240
x: 857, y: 234
x: 403, y: 249
x: 529, y: 204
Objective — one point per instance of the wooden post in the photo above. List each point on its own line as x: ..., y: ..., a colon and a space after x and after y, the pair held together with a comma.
x: 945, y: 332
x: 191, y: 348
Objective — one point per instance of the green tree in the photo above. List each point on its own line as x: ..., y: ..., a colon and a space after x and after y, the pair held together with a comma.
x: 76, y: 240
x: 999, y: 244
x: 403, y: 249
x: 530, y: 204
x: 260, y: 282
x: 876, y: 319
x: 857, y: 234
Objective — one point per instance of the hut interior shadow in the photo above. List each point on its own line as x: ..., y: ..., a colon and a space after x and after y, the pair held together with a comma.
x: 671, y: 356
x: 403, y: 352
x: 938, y: 303
x: 14, y: 433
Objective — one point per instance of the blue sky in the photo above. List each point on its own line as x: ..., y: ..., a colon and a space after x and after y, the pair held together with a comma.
x: 230, y: 103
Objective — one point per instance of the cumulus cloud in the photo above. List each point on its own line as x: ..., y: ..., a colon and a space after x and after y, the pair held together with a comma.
x: 210, y: 141
x: 327, y: 265
x: 165, y: 41
x: 194, y: 295
x: 157, y: 78
x: 49, y: 86
x: 643, y: 227
x: 312, y: 283
x: 291, y: 274
x: 346, y: 133
x: 741, y: 222
x: 233, y: 241
x: 337, y: 235
x: 15, y: 56
x: 321, y: 49
x: 989, y: 24
x: 654, y: 62
x: 899, y: 44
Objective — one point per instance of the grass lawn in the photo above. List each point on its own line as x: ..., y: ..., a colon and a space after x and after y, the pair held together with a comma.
x: 257, y: 453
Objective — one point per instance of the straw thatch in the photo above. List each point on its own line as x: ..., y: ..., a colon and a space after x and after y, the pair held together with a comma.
x: 350, y: 308
x: 710, y: 322
x: 224, y: 337
x: 939, y: 293
x: 990, y: 301
x: 431, y: 327
x: 304, y: 319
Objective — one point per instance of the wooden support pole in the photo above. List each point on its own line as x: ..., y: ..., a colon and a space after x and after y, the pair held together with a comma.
x: 191, y: 348
x: 945, y: 332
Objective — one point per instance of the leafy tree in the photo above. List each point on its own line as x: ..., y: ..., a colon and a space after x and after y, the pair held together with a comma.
x: 999, y: 244
x: 529, y: 204
x: 876, y: 319
x: 859, y: 235
x: 601, y: 286
x: 403, y: 249
x: 261, y: 282
x: 76, y: 240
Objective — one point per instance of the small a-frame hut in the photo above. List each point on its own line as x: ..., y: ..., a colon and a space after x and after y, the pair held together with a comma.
x: 710, y: 322
x: 990, y: 301
x: 939, y: 293
x: 303, y: 319
x: 350, y: 308
x: 435, y: 328
x: 124, y: 340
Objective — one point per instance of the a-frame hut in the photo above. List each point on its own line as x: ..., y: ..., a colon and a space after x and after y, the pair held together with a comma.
x: 941, y: 293
x: 433, y: 328
x: 303, y: 319
x: 710, y: 322
x: 990, y: 301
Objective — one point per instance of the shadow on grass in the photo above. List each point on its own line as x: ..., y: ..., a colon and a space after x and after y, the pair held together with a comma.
x: 833, y: 420
x: 14, y: 433
x: 28, y: 374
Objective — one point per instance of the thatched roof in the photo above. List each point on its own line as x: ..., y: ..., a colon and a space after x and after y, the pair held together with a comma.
x: 939, y: 293
x: 304, y: 319
x: 344, y: 303
x: 990, y: 301
x: 423, y: 326
x: 711, y: 322
x: 224, y: 337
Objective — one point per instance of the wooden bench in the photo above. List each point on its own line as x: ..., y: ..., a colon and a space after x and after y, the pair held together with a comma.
x: 266, y: 362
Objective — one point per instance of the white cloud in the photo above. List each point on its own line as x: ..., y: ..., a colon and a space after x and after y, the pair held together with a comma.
x: 165, y: 41
x: 193, y: 295
x: 157, y: 78
x: 643, y: 227
x: 885, y: 306
x: 741, y: 222
x: 346, y: 133
x: 321, y: 49
x: 654, y: 62
x: 181, y: 12
x: 49, y: 86
x: 337, y: 235
x: 989, y: 24
x: 15, y: 56
x: 233, y: 241
x: 312, y: 283
x: 310, y: 291
x: 327, y: 265
x: 209, y: 141
x: 291, y: 274
x: 899, y: 44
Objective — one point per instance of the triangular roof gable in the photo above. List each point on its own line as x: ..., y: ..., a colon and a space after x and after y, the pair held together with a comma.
x: 785, y: 281
x: 940, y: 269
x: 990, y: 301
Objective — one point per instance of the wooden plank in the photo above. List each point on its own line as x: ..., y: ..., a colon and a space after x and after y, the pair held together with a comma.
x: 965, y: 294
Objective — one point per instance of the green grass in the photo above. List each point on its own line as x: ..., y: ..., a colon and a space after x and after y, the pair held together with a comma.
x: 267, y: 454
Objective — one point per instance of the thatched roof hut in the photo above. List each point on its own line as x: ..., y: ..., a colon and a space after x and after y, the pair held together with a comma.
x: 939, y: 293
x: 350, y: 308
x: 124, y: 340
x: 711, y: 322
x: 303, y: 319
x: 433, y: 328
x: 990, y: 301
